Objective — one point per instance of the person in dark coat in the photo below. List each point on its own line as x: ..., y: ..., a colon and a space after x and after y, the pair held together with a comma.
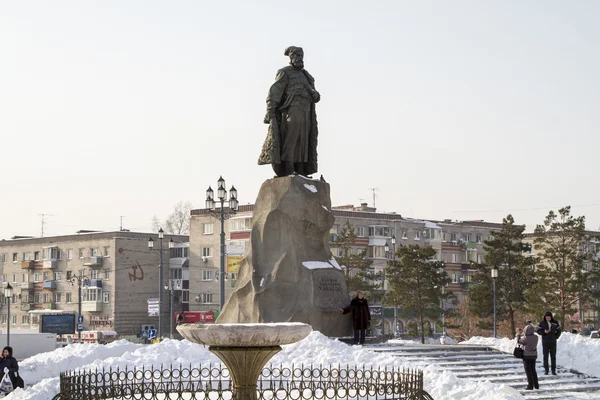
x: 361, y: 316
x: 529, y: 342
x: 9, y: 362
x: 549, y: 330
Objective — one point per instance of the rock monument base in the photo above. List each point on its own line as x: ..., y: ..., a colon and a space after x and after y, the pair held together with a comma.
x: 289, y: 273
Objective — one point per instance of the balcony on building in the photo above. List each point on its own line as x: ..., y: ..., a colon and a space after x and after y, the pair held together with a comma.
x: 27, y: 264
x: 93, y: 262
x: 26, y: 306
x: 94, y: 283
x: 50, y: 305
x: 26, y: 286
x: 51, y: 285
x: 49, y: 264
x: 91, y: 306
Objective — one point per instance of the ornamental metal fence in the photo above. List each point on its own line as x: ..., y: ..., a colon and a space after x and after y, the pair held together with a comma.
x: 213, y: 382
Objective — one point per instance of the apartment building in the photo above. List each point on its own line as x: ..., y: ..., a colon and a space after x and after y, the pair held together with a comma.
x: 117, y: 270
x: 457, y: 243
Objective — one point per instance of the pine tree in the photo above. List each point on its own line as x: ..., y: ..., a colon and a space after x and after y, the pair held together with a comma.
x: 563, y: 284
x: 416, y: 282
x: 507, y: 252
x: 356, y: 266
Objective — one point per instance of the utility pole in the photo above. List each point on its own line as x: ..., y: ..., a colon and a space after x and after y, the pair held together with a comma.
x: 44, y: 220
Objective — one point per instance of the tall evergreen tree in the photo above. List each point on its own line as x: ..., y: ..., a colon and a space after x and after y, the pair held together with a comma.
x: 356, y: 266
x: 507, y: 252
x: 416, y: 282
x: 562, y: 281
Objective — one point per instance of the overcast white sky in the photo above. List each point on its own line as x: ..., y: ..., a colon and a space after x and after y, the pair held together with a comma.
x: 462, y: 110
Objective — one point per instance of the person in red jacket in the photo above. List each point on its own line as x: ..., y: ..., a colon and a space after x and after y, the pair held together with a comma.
x: 361, y: 316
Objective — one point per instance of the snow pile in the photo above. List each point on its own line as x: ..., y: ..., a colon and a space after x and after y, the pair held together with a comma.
x: 572, y: 351
x: 42, y: 370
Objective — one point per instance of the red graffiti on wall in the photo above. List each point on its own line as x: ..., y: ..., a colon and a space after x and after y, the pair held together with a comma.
x: 134, y: 276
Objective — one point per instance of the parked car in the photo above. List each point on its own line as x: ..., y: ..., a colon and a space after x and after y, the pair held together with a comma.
x: 594, y: 335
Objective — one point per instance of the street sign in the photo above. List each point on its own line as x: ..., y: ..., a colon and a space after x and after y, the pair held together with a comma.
x: 152, y: 334
x: 79, y: 327
x: 375, y: 311
x: 153, y: 307
x: 144, y: 334
x: 80, y: 319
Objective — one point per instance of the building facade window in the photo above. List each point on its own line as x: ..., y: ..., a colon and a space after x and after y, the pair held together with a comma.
x: 57, y: 297
x: 106, y: 251
x: 382, y: 231
x: 15, y: 257
x: 207, y: 275
x: 453, y: 237
x: 207, y: 229
x: 94, y: 252
x: 404, y: 234
x: 207, y: 252
x: 479, y: 239
x: 92, y: 295
x: 240, y: 224
x: 3, y: 258
x: 70, y: 254
x: 360, y: 231
x: 36, y: 276
x: 81, y: 253
x: 106, y: 274
x: 106, y: 297
x: 417, y: 235
x: 24, y: 319
x: 94, y: 274
x: 51, y: 253
x: 207, y: 298
x: 68, y: 297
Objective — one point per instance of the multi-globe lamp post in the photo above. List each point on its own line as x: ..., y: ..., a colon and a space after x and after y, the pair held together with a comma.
x: 222, y: 215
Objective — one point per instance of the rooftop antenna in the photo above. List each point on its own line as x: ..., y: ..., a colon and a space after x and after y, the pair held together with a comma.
x: 374, y: 195
x: 44, y: 220
x: 121, y: 226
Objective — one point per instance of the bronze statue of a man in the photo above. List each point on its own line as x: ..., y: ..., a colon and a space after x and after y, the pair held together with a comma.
x: 291, y: 143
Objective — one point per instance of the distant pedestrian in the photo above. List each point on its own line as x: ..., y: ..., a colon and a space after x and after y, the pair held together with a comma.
x: 179, y: 319
x: 8, y: 364
x: 550, y: 331
x: 361, y: 316
x: 529, y: 342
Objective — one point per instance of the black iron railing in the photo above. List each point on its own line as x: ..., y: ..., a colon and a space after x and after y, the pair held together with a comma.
x: 214, y: 383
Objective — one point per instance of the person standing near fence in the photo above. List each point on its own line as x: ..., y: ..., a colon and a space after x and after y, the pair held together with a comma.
x: 529, y: 342
x: 361, y: 316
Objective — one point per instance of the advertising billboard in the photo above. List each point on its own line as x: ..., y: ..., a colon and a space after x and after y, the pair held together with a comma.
x: 60, y: 324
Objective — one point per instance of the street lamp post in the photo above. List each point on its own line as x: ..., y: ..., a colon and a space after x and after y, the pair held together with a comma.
x: 161, y: 235
x: 169, y: 287
x: 494, y: 277
x: 8, y: 292
x: 222, y: 215
x: 81, y: 280
x: 395, y: 306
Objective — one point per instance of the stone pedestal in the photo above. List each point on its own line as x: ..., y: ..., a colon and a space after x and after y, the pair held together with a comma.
x: 289, y: 273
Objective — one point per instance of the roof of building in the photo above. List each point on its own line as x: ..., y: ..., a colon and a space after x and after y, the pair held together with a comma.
x: 83, y: 234
x: 362, y: 211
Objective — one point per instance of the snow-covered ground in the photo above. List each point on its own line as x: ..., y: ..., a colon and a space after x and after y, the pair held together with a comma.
x: 41, y: 371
